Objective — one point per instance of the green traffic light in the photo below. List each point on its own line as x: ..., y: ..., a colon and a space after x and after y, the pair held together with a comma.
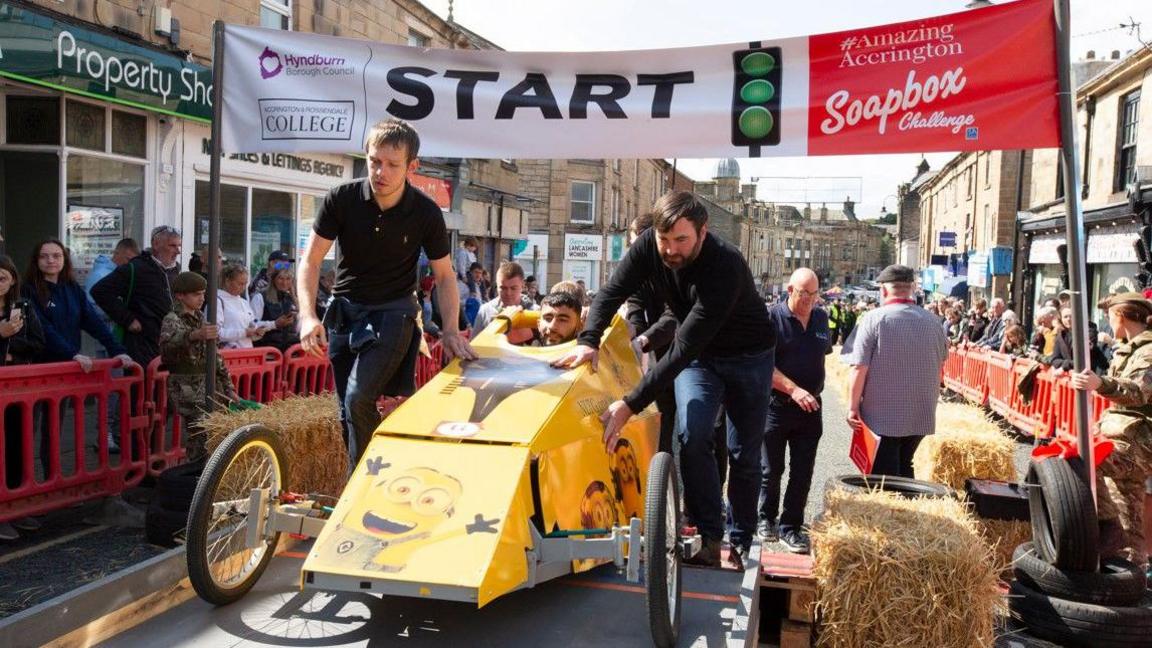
x: 758, y: 64
x: 757, y: 92
x: 756, y: 122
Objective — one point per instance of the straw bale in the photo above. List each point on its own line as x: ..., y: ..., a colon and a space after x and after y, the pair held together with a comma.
x: 967, y: 443
x: 1002, y: 537
x: 310, y: 433
x: 895, y: 572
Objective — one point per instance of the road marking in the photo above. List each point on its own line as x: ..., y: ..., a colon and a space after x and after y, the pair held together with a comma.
x: 50, y: 543
x: 636, y: 589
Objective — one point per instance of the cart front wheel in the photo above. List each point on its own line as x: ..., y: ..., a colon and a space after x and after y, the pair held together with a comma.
x: 662, y: 550
x: 221, y: 567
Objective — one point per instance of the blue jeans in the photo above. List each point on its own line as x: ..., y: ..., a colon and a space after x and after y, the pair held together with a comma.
x: 742, y: 385
x: 378, y: 369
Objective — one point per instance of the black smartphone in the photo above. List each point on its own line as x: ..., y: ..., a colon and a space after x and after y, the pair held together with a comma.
x: 22, y: 306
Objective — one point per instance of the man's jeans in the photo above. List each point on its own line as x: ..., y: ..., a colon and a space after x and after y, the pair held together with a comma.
x: 789, y: 428
x: 361, y: 378
x: 741, y: 384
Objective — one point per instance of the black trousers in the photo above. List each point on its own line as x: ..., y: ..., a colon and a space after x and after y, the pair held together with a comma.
x: 894, y: 456
x: 790, y: 429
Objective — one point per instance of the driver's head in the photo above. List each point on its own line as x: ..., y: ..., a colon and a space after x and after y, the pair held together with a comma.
x: 559, y: 318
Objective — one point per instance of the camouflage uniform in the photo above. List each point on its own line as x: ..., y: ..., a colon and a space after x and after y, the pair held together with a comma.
x: 184, y: 359
x: 1128, y: 424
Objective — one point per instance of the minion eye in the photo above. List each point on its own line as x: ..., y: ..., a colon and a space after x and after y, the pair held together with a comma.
x: 433, y: 501
x: 402, y: 488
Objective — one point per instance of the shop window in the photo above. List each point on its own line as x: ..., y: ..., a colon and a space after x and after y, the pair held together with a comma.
x: 33, y: 120
x: 85, y: 125
x: 29, y: 201
x: 273, y: 225
x: 233, y: 208
x: 105, y: 202
x: 582, y: 202
x: 1126, y: 140
x: 276, y: 14
x: 129, y: 134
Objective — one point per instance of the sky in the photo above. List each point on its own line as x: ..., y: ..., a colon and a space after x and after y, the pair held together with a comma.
x: 597, y: 25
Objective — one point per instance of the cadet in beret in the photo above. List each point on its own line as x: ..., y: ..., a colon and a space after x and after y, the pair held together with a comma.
x: 1120, y: 479
x: 184, y: 338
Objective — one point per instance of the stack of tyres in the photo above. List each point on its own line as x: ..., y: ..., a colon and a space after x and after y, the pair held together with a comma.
x: 167, y: 515
x: 1062, y: 591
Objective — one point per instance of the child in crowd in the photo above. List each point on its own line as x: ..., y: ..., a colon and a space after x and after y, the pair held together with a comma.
x: 184, y: 337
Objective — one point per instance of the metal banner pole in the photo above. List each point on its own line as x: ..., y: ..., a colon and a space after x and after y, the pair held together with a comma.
x: 1074, y: 228
x: 211, y: 358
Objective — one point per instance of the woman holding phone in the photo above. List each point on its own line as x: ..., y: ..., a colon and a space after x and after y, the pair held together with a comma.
x: 21, y: 342
x: 278, y: 305
x: 238, y: 325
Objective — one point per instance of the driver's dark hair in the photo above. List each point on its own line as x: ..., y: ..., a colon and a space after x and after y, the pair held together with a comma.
x: 562, y: 298
x: 675, y: 205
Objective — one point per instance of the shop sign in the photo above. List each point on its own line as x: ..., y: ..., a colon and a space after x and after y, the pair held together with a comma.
x: 1043, y: 250
x: 616, y: 247
x: 1113, y: 245
x: 537, y: 245
x: 44, y: 51
x: 947, y: 239
x: 583, y: 247
x: 437, y: 189
x: 978, y: 270
x: 281, y: 161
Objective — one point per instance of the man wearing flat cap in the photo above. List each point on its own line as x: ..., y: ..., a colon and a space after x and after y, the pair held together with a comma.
x: 895, y: 352
x: 1120, y: 479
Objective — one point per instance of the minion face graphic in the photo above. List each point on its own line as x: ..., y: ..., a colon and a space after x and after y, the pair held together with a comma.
x: 598, y: 507
x: 412, y: 503
x: 626, y: 476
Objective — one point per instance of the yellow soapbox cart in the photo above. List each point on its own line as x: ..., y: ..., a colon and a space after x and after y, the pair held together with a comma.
x: 493, y: 477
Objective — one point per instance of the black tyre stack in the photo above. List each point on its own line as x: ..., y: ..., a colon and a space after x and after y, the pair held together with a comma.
x: 167, y: 514
x: 1062, y: 591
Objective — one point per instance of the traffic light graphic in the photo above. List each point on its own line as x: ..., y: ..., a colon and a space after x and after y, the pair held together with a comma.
x: 756, y: 98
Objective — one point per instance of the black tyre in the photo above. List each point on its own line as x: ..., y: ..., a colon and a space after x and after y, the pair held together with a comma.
x: 900, y: 485
x: 220, y: 566
x: 1081, y: 624
x: 161, y: 526
x: 1118, y: 582
x: 176, y: 486
x: 1064, y: 528
x: 662, y: 552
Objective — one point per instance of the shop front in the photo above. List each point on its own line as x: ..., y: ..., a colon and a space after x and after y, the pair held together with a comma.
x: 85, y: 153
x: 583, y: 254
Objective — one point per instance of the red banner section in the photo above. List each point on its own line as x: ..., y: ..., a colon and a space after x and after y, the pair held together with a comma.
x: 978, y: 80
x: 437, y: 189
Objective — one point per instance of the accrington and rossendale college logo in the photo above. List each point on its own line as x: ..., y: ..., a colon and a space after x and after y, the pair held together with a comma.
x: 272, y: 63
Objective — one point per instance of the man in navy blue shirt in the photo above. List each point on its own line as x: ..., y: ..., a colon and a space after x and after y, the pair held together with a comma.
x: 794, y: 417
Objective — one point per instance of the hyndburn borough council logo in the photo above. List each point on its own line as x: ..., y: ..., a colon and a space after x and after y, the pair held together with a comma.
x: 756, y: 97
x: 270, y: 64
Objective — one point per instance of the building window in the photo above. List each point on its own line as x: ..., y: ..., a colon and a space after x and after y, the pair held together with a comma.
x: 615, y: 207
x: 1126, y: 141
x: 416, y: 39
x: 276, y: 14
x: 582, y: 202
x: 989, y: 235
x: 987, y: 170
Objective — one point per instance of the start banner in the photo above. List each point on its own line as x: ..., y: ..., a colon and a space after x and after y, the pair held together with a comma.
x: 978, y: 80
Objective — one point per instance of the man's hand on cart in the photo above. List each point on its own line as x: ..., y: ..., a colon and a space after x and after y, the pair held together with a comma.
x: 577, y: 357
x: 614, y: 419
x: 456, y: 346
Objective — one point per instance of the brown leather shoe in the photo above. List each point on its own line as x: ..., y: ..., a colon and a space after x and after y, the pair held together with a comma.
x: 709, y: 554
x: 735, y: 558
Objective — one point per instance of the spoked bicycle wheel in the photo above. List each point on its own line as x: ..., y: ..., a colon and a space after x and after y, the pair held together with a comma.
x: 662, y: 550
x: 221, y: 567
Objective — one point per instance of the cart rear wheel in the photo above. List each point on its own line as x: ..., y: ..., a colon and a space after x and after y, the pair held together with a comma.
x: 221, y: 567
x: 662, y: 550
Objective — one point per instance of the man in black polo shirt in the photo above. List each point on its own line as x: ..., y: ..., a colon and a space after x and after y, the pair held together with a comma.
x: 380, y: 223
x: 794, y: 417
x: 721, y: 355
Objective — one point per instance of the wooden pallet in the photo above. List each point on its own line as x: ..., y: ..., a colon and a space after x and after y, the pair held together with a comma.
x: 793, y: 597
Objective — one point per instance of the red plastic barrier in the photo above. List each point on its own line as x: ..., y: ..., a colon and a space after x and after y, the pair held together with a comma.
x: 257, y: 374
x: 975, y: 385
x: 953, y: 370
x: 44, y: 396
x: 165, y: 425
x: 1063, y: 407
x: 306, y: 374
x: 427, y: 367
x: 1033, y: 417
x: 1002, y: 394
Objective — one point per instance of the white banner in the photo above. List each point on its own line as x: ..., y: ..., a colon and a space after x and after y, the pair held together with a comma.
x: 583, y: 247
x: 937, y: 84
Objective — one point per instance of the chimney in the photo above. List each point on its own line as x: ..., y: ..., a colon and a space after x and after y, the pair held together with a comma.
x: 1090, y: 56
x: 849, y: 208
x: 1115, y: 55
x: 823, y: 213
